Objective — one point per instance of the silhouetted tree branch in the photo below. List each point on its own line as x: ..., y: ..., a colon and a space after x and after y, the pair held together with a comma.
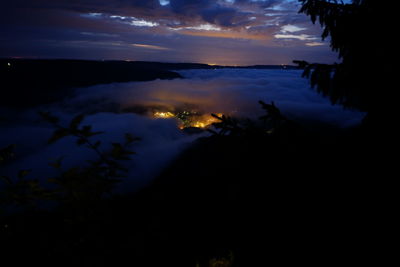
x: 81, y: 186
x: 362, y: 80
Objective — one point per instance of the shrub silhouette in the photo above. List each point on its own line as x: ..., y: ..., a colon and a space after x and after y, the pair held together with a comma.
x: 78, y: 186
x: 270, y: 124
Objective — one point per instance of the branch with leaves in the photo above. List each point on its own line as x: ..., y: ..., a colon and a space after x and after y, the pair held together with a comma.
x: 355, y: 82
x: 272, y: 122
x: 82, y: 184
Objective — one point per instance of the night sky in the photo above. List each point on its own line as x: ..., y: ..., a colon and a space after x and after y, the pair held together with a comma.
x: 226, y: 32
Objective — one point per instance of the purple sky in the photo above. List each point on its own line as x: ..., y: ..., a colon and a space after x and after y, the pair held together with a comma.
x: 230, y: 32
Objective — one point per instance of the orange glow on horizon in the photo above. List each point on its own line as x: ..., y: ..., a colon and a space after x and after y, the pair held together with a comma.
x: 226, y: 34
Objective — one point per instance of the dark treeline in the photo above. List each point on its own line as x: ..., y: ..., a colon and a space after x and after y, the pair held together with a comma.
x: 36, y: 82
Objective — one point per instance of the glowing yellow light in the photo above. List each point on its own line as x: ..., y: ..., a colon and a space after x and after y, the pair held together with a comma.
x: 199, y: 124
x: 204, y: 121
x: 187, y: 119
x: 164, y: 115
x: 9, y: 64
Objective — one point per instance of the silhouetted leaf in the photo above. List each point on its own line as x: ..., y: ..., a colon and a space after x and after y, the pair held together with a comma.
x: 48, y: 117
x: 58, y: 134
x: 301, y: 64
x: 76, y: 121
x: 97, y: 144
x: 218, y: 117
x: 130, y: 138
x: 86, y: 128
x: 80, y: 141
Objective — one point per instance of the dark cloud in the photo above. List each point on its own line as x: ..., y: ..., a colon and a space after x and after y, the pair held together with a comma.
x: 83, y: 4
x: 224, y: 16
x: 190, y: 6
x: 222, y: 13
x: 191, y: 30
x: 261, y: 3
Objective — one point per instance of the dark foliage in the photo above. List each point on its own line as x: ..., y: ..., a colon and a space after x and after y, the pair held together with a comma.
x: 270, y: 124
x: 360, y: 33
x: 254, y: 192
x: 79, y: 187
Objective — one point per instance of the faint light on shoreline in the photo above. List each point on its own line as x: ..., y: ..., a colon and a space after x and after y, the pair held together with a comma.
x: 188, y: 119
x: 164, y: 115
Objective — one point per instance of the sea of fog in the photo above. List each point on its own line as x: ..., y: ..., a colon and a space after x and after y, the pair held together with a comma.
x: 121, y: 108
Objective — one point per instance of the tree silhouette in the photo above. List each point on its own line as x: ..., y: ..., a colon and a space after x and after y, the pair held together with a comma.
x: 357, y: 31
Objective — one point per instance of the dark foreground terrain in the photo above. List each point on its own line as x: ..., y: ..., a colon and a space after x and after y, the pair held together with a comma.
x: 297, y: 195
x: 298, y: 198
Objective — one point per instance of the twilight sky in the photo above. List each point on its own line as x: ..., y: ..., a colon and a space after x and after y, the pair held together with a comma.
x: 230, y: 32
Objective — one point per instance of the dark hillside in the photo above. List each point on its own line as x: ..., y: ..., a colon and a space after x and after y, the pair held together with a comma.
x: 290, y: 198
x: 35, y: 82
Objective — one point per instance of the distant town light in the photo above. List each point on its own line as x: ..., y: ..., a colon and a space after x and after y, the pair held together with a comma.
x: 164, y: 115
x: 9, y: 64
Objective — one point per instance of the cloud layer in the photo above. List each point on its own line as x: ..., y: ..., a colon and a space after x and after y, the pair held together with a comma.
x: 229, y: 91
x: 111, y: 108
